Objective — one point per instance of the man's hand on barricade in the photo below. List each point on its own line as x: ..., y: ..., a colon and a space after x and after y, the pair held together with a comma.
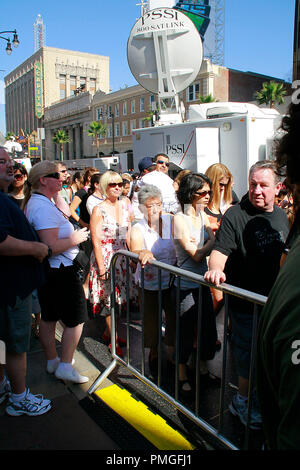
x: 215, y: 276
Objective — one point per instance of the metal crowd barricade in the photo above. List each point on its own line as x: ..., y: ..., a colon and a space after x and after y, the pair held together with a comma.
x: 215, y: 434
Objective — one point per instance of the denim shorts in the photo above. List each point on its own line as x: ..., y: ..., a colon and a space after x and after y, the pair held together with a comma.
x: 15, y: 325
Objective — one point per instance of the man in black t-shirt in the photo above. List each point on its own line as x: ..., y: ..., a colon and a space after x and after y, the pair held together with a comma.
x: 247, y: 254
x: 21, y: 255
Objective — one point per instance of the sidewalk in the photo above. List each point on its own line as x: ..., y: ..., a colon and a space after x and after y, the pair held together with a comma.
x: 66, y: 426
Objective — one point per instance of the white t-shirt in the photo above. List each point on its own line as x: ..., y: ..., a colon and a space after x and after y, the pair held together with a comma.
x: 43, y: 214
x: 162, y: 249
x: 165, y: 184
x: 138, y: 215
x: 93, y: 201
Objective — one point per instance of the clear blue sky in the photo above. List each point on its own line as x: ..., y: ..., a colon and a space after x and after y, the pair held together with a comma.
x: 258, y: 33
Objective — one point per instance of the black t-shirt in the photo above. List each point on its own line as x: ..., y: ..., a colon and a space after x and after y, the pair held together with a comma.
x: 84, y: 215
x: 253, y: 240
x: 15, y: 200
x: 19, y: 275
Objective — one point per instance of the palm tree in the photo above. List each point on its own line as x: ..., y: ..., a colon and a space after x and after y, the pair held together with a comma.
x: 61, y: 138
x: 271, y: 93
x: 150, y: 114
x: 206, y: 99
x: 96, y: 130
x: 9, y: 135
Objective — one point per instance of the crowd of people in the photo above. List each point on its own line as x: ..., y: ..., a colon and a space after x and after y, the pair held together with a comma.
x: 57, y: 229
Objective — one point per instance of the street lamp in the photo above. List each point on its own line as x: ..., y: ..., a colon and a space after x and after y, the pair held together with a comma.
x: 15, y: 40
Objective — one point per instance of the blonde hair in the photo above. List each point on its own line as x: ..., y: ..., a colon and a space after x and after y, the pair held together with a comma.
x: 215, y: 173
x: 180, y: 175
x: 109, y: 177
x: 127, y: 176
x: 37, y: 171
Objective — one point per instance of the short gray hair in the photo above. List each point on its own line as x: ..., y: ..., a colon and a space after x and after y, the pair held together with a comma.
x: 147, y: 191
x: 265, y: 165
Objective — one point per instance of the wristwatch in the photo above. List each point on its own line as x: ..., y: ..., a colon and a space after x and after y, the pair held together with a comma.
x: 49, y: 251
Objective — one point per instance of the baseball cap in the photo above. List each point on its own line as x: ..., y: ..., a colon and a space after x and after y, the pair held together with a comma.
x: 145, y: 163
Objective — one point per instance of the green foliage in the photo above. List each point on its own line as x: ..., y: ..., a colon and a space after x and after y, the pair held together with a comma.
x: 206, y: 99
x: 9, y: 135
x: 61, y: 137
x: 97, y: 130
x: 271, y: 93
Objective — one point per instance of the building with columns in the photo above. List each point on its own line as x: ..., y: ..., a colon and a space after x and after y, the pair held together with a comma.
x: 48, y: 77
x: 72, y: 115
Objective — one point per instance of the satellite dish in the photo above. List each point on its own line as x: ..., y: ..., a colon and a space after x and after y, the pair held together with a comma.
x: 164, y: 52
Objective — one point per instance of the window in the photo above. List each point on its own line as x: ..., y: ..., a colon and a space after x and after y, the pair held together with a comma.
x: 117, y: 129
x: 124, y: 109
x: 99, y: 114
x: 117, y: 110
x: 109, y: 111
x: 124, y: 128
x: 132, y: 125
x: 141, y: 123
x: 132, y: 106
x: 92, y: 85
x: 62, y: 87
x: 72, y: 84
x: 151, y: 100
x: 109, y: 130
x: 193, y: 92
x: 142, y: 104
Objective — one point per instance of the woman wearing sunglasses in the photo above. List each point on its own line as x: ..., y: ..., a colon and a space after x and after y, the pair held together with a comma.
x: 62, y: 297
x: 16, y: 189
x: 223, y: 195
x: 110, y: 231
x: 222, y: 198
x: 193, y: 240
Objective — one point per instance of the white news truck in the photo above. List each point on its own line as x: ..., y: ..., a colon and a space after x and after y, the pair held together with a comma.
x: 235, y: 134
x: 110, y: 162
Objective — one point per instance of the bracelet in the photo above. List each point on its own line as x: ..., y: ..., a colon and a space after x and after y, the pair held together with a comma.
x: 49, y: 252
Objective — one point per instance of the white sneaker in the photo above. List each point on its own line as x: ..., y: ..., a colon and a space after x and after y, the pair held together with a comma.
x: 31, y: 405
x: 71, y: 375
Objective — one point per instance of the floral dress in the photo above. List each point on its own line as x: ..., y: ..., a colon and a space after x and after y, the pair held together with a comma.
x: 113, y: 239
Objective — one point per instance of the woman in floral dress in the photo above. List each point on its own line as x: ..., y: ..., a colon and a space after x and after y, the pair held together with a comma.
x: 110, y: 232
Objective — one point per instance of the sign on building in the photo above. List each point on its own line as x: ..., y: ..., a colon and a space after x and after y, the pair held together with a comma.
x: 38, y: 90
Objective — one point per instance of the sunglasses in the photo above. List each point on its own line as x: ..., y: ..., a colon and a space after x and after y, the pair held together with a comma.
x: 203, y: 193
x: 55, y: 175
x: 161, y: 162
x: 63, y: 171
x: 114, y: 185
x: 223, y: 185
x: 19, y: 176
